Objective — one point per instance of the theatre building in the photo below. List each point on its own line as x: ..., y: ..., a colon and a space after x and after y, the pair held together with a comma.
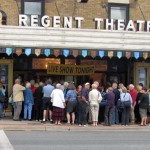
x: 75, y: 40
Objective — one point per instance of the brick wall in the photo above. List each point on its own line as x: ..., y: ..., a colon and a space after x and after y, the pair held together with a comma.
x: 90, y: 10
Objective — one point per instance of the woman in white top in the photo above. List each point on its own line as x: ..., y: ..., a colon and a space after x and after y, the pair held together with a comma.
x: 94, y: 99
x: 57, y: 98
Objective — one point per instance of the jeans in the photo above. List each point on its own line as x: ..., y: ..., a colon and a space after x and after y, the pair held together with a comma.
x: 84, y: 109
x: 125, y: 116
x: 1, y: 110
x: 115, y: 115
x: 27, y: 110
x: 108, y: 115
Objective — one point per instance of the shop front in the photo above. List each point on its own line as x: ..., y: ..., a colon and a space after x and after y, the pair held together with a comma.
x: 41, y: 52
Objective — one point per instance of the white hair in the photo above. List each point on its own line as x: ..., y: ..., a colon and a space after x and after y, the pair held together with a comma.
x: 28, y: 85
x: 17, y: 81
x: 94, y: 86
x: 66, y: 84
x: 131, y: 86
x: 58, y: 86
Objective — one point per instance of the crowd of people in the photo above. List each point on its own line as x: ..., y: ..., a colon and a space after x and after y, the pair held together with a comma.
x: 81, y: 105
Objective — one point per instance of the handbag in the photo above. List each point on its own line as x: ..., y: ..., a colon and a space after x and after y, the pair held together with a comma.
x: 127, y: 104
x: 120, y: 105
x: 11, y: 101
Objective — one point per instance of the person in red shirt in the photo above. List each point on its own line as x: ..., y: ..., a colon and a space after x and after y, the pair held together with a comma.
x: 133, y: 93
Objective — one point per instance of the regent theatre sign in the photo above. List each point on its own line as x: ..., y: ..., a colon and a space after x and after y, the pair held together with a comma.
x: 109, y: 24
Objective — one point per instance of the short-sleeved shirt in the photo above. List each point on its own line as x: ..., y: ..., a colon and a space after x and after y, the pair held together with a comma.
x: 85, y: 93
x: 47, y: 90
x: 144, y: 101
x: 71, y: 95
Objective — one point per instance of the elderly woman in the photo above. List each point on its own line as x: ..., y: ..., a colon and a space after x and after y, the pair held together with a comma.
x: 126, y: 100
x: 94, y: 99
x: 58, y: 102
x: 28, y: 102
x: 71, y: 99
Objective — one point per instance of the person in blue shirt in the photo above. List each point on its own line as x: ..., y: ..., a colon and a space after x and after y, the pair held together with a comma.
x: 47, y: 104
x: 71, y: 99
x: 28, y: 102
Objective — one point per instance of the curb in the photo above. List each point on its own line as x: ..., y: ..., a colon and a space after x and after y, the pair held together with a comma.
x: 64, y: 128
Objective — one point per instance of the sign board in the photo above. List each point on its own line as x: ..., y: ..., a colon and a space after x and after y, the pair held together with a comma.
x: 109, y: 24
x: 42, y: 63
x: 74, y: 70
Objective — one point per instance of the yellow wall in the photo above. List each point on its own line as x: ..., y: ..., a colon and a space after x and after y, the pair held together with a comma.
x: 90, y: 10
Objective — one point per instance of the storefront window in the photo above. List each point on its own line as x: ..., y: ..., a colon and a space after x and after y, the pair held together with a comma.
x: 33, y: 7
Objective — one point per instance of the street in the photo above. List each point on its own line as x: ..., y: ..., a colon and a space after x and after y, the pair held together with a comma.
x: 66, y: 140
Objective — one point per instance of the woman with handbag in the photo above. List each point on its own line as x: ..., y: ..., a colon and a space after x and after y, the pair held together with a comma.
x: 127, y: 104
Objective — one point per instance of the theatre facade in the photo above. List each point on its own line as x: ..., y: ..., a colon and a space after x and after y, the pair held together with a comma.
x: 104, y: 40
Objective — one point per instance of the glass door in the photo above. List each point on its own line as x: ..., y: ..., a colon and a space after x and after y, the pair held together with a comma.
x: 141, y: 74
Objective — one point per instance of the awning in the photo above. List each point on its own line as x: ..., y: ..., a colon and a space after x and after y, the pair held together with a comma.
x: 84, y: 42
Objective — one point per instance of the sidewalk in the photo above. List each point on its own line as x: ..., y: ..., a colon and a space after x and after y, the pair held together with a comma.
x: 10, y: 125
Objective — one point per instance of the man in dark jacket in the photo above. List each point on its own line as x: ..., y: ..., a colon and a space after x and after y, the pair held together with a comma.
x: 38, y: 102
x: 110, y: 102
x: 115, y: 118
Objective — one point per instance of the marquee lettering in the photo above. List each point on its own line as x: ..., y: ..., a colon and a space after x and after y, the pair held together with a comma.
x: 68, y: 22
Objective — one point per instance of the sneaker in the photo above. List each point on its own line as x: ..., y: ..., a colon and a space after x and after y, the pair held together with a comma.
x: 51, y: 121
x: 80, y: 125
x: 85, y: 125
x: 43, y: 121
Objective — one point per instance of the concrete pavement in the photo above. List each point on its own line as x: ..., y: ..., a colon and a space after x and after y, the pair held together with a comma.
x: 10, y: 125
